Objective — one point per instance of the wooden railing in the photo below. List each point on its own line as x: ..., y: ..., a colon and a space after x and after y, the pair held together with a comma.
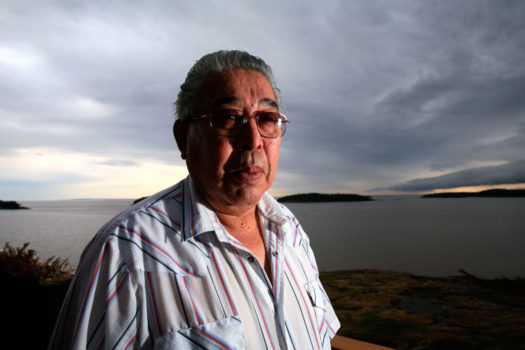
x: 344, y: 343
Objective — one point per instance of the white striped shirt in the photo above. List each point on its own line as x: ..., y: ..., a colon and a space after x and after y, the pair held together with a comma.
x: 165, y: 274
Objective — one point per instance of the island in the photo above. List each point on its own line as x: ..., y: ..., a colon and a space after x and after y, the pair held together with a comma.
x: 496, y: 192
x: 138, y: 200
x: 10, y: 205
x: 323, y: 197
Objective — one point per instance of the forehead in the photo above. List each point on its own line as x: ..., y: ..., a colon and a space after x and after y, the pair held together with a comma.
x: 238, y: 87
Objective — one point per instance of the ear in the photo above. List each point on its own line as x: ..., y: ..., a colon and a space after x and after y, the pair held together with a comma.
x: 180, y: 132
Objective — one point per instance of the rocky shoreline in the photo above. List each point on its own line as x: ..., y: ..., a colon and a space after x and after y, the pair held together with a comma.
x: 404, y: 311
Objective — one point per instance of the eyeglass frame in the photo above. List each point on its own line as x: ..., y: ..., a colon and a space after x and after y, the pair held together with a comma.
x: 282, y: 118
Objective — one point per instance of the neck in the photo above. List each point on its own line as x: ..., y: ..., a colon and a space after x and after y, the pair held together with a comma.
x: 238, y: 222
x: 247, y: 230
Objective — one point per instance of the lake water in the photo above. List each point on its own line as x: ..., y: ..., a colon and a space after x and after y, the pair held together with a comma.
x: 433, y: 237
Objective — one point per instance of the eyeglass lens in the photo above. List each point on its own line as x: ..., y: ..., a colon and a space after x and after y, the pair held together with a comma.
x: 269, y: 123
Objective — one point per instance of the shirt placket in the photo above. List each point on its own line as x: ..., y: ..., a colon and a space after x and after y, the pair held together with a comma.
x: 258, y: 284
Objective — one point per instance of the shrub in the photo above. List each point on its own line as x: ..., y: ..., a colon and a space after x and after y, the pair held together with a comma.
x: 24, y: 263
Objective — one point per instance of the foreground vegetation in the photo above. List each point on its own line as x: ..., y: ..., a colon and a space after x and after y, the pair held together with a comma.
x: 31, y: 295
x: 24, y: 263
x: 398, y: 310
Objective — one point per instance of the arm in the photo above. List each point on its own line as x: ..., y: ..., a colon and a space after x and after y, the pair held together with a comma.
x: 101, y: 307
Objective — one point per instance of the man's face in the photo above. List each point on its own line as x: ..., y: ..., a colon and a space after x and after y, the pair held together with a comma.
x: 232, y: 172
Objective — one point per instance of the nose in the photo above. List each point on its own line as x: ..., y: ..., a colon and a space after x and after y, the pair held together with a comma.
x: 249, y: 138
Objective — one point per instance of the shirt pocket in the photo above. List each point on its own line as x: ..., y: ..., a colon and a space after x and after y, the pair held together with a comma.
x: 222, y: 334
x: 317, y: 298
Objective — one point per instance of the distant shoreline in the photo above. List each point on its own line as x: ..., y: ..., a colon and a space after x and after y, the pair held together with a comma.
x: 493, y: 193
x: 11, y: 205
x: 323, y: 197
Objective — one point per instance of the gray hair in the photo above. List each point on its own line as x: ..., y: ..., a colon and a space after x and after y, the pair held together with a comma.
x: 218, y: 62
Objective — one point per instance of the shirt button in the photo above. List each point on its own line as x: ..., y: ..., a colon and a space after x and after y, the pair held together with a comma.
x: 275, y: 253
x: 251, y: 259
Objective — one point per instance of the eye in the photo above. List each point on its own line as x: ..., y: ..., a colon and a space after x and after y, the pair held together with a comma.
x: 226, y: 118
x: 268, y: 117
x: 228, y: 114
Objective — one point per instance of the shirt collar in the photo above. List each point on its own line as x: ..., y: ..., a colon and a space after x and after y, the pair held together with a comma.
x: 199, y: 217
x: 272, y: 210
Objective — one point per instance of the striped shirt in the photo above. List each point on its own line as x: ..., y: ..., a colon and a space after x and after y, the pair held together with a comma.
x: 165, y: 274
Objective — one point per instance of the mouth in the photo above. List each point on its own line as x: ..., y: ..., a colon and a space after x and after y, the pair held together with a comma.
x: 249, y: 175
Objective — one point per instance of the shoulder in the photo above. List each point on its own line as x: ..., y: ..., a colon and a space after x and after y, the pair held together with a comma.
x: 162, y: 210
x: 146, y: 229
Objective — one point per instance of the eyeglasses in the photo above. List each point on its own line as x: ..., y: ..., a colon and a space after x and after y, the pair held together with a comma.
x: 229, y: 122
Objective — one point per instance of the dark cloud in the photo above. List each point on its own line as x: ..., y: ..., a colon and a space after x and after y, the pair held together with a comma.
x: 512, y: 173
x: 377, y: 92
x: 437, y: 87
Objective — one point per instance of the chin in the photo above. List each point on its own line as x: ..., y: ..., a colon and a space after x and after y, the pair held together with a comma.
x: 247, y: 196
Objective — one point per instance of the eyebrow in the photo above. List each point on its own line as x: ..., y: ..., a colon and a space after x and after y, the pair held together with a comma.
x: 268, y: 102
x: 231, y: 100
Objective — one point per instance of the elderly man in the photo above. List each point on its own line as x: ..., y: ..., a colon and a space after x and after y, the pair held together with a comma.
x: 213, y: 262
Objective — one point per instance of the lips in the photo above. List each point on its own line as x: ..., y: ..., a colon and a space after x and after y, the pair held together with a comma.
x: 249, y: 168
x: 250, y: 174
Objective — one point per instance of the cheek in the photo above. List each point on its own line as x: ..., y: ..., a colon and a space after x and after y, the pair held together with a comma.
x: 217, y: 156
x: 210, y: 152
x: 272, y: 153
x: 222, y: 151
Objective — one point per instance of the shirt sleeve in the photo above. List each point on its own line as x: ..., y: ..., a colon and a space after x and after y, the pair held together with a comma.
x: 101, y: 308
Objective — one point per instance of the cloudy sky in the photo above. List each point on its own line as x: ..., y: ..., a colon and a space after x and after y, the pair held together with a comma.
x: 383, y: 96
